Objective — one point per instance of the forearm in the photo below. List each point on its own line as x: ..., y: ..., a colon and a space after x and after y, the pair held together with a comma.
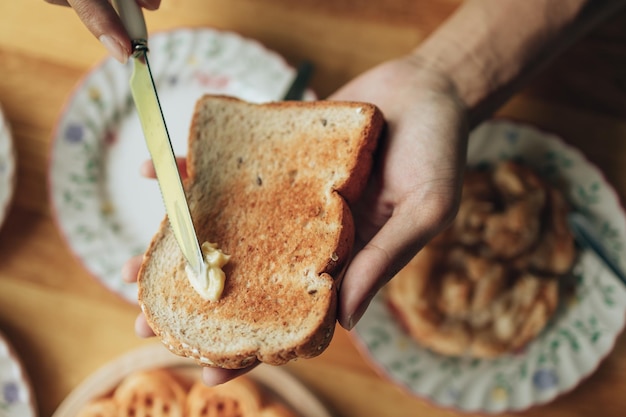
x: 489, y: 48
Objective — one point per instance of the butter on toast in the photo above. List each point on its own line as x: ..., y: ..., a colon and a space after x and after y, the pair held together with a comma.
x: 271, y: 184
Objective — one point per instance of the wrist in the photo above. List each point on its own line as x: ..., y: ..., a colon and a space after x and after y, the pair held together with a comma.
x: 426, y: 77
x: 488, y: 49
x: 483, y: 53
x: 466, y: 75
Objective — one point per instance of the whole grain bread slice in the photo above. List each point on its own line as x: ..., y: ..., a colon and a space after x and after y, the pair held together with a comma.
x: 271, y: 184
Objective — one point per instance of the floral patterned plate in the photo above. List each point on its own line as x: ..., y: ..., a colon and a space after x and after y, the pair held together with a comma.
x: 7, y: 166
x: 580, y: 335
x: 16, y: 396
x: 106, y: 210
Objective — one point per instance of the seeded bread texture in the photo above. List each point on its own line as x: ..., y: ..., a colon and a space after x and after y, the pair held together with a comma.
x: 270, y: 184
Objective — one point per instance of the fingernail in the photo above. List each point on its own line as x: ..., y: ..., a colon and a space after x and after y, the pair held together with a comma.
x: 351, y: 323
x: 114, y: 47
x: 126, y: 274
x: 358, y: 313
x: 146, y: 169
x: 142, y: 328
x: 212, y: 378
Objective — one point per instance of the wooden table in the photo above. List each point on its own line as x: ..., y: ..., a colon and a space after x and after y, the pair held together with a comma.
x: 65, y: 324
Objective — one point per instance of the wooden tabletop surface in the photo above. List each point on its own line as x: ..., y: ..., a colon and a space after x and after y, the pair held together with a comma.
x: 65, y: 325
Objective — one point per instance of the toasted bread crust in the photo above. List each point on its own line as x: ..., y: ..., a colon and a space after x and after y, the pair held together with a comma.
x: 270, y: 184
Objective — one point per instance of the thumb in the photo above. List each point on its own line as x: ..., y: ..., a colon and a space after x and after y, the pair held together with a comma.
x: 395, y: 244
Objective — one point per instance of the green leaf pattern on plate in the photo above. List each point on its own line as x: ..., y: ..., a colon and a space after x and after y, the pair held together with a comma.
x: 580, y: 334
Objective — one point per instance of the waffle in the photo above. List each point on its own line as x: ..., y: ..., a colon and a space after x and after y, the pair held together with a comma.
x: 237, y: 398
x: 154, y: 393
x: 161, y: 393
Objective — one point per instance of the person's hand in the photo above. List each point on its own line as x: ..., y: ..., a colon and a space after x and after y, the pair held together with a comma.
x: 130, y: 272
x: 413, y: 192
x: 414, y: 189
x: 100, y: 18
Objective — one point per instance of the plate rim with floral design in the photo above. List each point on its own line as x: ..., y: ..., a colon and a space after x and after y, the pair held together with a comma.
x: 575, y: 341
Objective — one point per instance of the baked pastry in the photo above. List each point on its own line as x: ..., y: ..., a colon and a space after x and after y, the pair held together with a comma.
x: 152, y: 393
x: 159, y: 393
x: 270, y: 184
x: 239, y: 397
x: 489, y: 283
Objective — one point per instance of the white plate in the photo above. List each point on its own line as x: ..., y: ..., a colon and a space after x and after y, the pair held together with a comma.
x: 105, y: 209
x: 580, y: 335
x: 16, y: 395
x: 279, y: 383
x: 7, y: 166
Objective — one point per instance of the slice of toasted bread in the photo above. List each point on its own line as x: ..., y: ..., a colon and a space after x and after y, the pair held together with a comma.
x: 270, y: 184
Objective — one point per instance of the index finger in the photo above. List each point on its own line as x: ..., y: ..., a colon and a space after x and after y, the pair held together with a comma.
x: 102, y: 20
x: 402, y: 236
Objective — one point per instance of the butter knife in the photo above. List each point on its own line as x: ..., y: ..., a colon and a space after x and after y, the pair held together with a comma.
x: 300, y: 83
x: 156, y: 135
x: 586, y: 237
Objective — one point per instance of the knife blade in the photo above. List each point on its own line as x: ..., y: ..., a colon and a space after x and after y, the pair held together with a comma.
x: 586, y: 237
x: 157, y: 137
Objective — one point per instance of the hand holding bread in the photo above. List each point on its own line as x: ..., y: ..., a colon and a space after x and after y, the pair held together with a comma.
x: 412, y: 193
x: 414, y: 189
x: 271, y: 184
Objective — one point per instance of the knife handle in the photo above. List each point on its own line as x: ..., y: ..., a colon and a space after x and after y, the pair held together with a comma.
x: 132, y: 18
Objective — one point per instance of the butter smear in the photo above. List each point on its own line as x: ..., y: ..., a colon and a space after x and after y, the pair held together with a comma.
x: 210, y: 282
